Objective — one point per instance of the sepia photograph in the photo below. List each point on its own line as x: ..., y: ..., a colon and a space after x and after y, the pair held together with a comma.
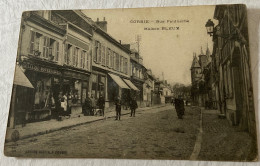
x: 171, y: 83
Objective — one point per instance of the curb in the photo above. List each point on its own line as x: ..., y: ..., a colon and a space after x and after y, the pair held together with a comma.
x: 71, y: 126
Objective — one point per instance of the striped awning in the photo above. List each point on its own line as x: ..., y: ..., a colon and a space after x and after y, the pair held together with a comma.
x: 21, y: 79
x: 131, y: 85
x: 119, y: 81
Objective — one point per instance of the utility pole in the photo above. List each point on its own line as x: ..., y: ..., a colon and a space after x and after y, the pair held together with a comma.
x: 138, y: 38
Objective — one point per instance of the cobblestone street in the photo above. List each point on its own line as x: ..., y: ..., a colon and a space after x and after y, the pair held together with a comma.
x: 152, y: 134
x: 221, y: 141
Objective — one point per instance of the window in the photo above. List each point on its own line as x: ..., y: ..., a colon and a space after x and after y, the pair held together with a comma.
x: 68, y: 54
x: 35, y: 43
x: 114, y: 61
x: 46, y: 41
x: 57, y: 51
x: 82, y: 60
x: 125, y: 66
x: 99, y: 53
x: 121, y: 64
x: 103, y: 54
x: 111, y: 58
x: 107, y: 56
x: 87, y: 57
x: 95, y: 55
x: 117, y: 62
x: 76, y: 56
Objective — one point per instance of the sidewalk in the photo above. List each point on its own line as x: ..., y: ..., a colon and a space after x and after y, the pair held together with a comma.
x: 44, y: 127
x: 224, y: 142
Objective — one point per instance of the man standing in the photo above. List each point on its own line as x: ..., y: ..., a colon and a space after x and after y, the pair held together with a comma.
x: 118, y: 108
x: 87, y: 107
x: 179, y: 106
x: 101, y: 104
x: 93, y: 104
x: 133, y: 106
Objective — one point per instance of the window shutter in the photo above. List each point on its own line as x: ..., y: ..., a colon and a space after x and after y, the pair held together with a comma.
x: 32, y: 42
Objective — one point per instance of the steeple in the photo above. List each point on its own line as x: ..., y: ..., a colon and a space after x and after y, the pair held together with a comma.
x: 201, y: 51
x: 195, y: 62
x: 207, y: 51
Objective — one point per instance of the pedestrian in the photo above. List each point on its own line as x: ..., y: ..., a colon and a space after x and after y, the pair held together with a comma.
x: 133, y: 106
x: 118, y: 108
x: 101, y: 104
x: 179, y: 107
x: 172, y: 101
x: 87, y: 107
x: 64, y: 104
x: 93, y: 104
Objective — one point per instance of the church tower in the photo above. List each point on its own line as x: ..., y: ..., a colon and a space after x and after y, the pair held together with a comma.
x: 195, y: 69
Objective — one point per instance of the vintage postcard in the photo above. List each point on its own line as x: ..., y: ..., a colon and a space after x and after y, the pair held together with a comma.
x: 146, y: 83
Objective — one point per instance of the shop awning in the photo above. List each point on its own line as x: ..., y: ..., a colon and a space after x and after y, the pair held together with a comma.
x: 131, y: 85
x: 119, y: 81
x: 21, y: 79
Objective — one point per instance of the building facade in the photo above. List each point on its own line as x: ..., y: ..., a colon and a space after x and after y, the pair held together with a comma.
x: 232, y: 66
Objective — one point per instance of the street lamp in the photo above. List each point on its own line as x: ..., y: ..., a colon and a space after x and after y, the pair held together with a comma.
x: 210, y: 27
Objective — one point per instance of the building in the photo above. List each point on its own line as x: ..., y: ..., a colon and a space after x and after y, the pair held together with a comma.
x: 148, y: 88
x: 201, y: 90
x: 137, y: 71
x: 231, y: 63
x: 54, y: 54
x: 76, y: 59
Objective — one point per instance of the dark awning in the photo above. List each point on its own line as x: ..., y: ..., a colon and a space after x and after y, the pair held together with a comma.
x: 131, y: 85
x: 21, y: 79
x: 119, y: 81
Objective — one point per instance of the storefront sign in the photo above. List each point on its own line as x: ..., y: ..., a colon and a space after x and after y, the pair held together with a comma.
x: 40, y: 69
x: 76, y: 75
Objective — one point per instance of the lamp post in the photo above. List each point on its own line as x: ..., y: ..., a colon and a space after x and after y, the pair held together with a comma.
x: 210, y: 27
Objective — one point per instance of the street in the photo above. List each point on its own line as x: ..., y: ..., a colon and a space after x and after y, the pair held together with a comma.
x: 152, y: 134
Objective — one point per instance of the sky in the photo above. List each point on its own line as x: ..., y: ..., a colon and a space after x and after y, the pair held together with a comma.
x: 164, y: 51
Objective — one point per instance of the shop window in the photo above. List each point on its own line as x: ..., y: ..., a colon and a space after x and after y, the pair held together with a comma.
x: 103, y: 55
x: 94, y: 84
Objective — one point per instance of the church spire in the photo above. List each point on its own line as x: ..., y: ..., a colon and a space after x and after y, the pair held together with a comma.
x: 207, y: 51
x: 201, y: 51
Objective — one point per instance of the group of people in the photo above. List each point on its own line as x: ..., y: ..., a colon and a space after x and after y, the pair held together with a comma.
x: 91, y: 105
x: 132, y: 103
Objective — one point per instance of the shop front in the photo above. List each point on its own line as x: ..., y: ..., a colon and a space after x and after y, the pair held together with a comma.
x: 75, y: 85
x: 44, y: 79
x: 21, y: 100
x: 117, y: 87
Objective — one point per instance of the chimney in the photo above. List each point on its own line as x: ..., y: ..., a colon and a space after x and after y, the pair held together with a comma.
x: 120, y: 41
x: 102, y: 24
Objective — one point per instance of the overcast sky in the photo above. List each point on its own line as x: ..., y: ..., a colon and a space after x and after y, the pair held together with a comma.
x: 169, y: 52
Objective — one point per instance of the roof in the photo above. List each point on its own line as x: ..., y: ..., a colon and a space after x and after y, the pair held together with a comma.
x: 195, y: 62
